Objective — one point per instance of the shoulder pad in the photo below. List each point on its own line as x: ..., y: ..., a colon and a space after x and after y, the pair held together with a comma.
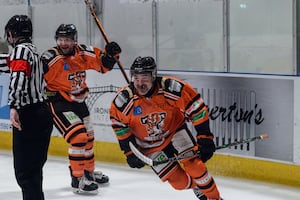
x: 172, y: 86
x: 47, y: 56
x: 123, y: 98
x: 83, y: 47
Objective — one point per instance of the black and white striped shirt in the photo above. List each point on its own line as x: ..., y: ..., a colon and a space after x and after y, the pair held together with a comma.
x: 3, y: 65
x: 27, y: 85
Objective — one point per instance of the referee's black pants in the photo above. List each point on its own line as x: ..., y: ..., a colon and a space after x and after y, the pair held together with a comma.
x: 30, y: 148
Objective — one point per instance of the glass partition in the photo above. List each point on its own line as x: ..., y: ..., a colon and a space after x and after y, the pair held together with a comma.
x: 240, y: 36
x: 261, y: 36
x: 191, y: 35
x: 130, y: 24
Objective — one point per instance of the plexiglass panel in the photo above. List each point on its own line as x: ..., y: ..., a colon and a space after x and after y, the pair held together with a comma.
x: 130, y: 24
x: 191, y: 35
x: 261, y: 36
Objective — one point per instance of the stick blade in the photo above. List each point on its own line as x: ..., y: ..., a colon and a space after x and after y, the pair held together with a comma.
x: 264, y: 136
x: 141, y: 156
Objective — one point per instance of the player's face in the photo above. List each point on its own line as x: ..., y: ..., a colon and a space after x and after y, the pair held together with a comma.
x: 66, y: 45
x: 142, y: 83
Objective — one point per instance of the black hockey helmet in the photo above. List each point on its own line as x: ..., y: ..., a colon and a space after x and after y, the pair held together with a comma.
x: 142, y: 65
x: 66, y: 30
x: 19, y: 26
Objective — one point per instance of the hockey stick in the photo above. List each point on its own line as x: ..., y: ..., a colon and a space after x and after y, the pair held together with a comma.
x: 97, y: 20
x: 260, y: 137
x: 151, y: 162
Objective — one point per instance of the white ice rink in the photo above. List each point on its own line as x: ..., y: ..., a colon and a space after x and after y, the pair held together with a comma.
x: 133, y: 184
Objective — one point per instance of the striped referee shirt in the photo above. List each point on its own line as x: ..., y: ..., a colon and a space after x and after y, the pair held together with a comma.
x: 27, y: 85
x: 3, y: 65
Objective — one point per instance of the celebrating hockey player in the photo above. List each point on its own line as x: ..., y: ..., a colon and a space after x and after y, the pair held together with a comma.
x: 65, y: 72
x: 153, y: 113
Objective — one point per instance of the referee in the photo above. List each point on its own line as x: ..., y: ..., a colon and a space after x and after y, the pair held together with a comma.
x: 29, y: 113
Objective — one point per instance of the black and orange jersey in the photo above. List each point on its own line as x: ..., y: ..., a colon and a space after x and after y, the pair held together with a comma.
x: 67, y: 74
x: 153, y: 120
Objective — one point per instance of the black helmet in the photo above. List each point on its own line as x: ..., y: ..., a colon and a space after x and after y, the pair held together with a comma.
x: 66, y: 30
x: 142, y: 65
x: 19, y: 26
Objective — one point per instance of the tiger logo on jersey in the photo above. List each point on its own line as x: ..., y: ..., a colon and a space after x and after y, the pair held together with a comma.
x: 78, y: 93
x: 154, y: 123
x: 77, y: 79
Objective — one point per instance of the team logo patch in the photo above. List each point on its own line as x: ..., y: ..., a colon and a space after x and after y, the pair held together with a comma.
x: 66, y: 67
x: 154, y: 123
x: 71, y: 117
x: 161, y: 157
x: 137, y: 110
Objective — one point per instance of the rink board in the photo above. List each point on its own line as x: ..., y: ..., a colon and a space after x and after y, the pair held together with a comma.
x: 258, y: 94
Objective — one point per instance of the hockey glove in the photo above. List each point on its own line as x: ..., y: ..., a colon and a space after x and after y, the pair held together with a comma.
x: 112, y: 49
x: 207, y: 148
x: 134, y: 162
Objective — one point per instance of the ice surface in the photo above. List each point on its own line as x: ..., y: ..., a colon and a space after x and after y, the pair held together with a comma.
x: 133, y: 184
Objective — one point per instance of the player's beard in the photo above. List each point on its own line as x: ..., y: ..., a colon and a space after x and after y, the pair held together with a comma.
x: 142, y: 89
x: 67, y: 51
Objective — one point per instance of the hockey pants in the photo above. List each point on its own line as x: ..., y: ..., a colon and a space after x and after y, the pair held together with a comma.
x: 190, y: 172
x: 73, y: 122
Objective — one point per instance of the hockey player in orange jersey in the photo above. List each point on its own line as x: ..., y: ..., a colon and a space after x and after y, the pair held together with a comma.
x: 65, y: 68
x: 153, y: 113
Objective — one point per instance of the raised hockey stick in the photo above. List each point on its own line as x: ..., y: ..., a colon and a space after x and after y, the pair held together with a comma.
x: 99, y: 24
x: 151, y: 162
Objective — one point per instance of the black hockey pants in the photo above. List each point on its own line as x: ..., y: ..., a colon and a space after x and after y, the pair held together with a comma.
x: 30, y: 148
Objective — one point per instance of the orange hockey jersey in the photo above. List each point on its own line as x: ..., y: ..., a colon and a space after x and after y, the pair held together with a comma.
x: 152, y: 121
x: 67, y: 75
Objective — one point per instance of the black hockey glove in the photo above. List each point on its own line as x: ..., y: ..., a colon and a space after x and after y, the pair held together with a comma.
x: 112, y: 50
x: 207, y: 148
x: 134, y: 162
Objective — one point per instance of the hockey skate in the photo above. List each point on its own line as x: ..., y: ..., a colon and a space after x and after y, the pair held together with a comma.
x: 81, y: 185
x: 200, y: 195
x: 97, y: 177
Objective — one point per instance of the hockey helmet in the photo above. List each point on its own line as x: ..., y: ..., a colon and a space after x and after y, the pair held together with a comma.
x: 142, y: 65
x: 66, y: 30
x: 19, y: 26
